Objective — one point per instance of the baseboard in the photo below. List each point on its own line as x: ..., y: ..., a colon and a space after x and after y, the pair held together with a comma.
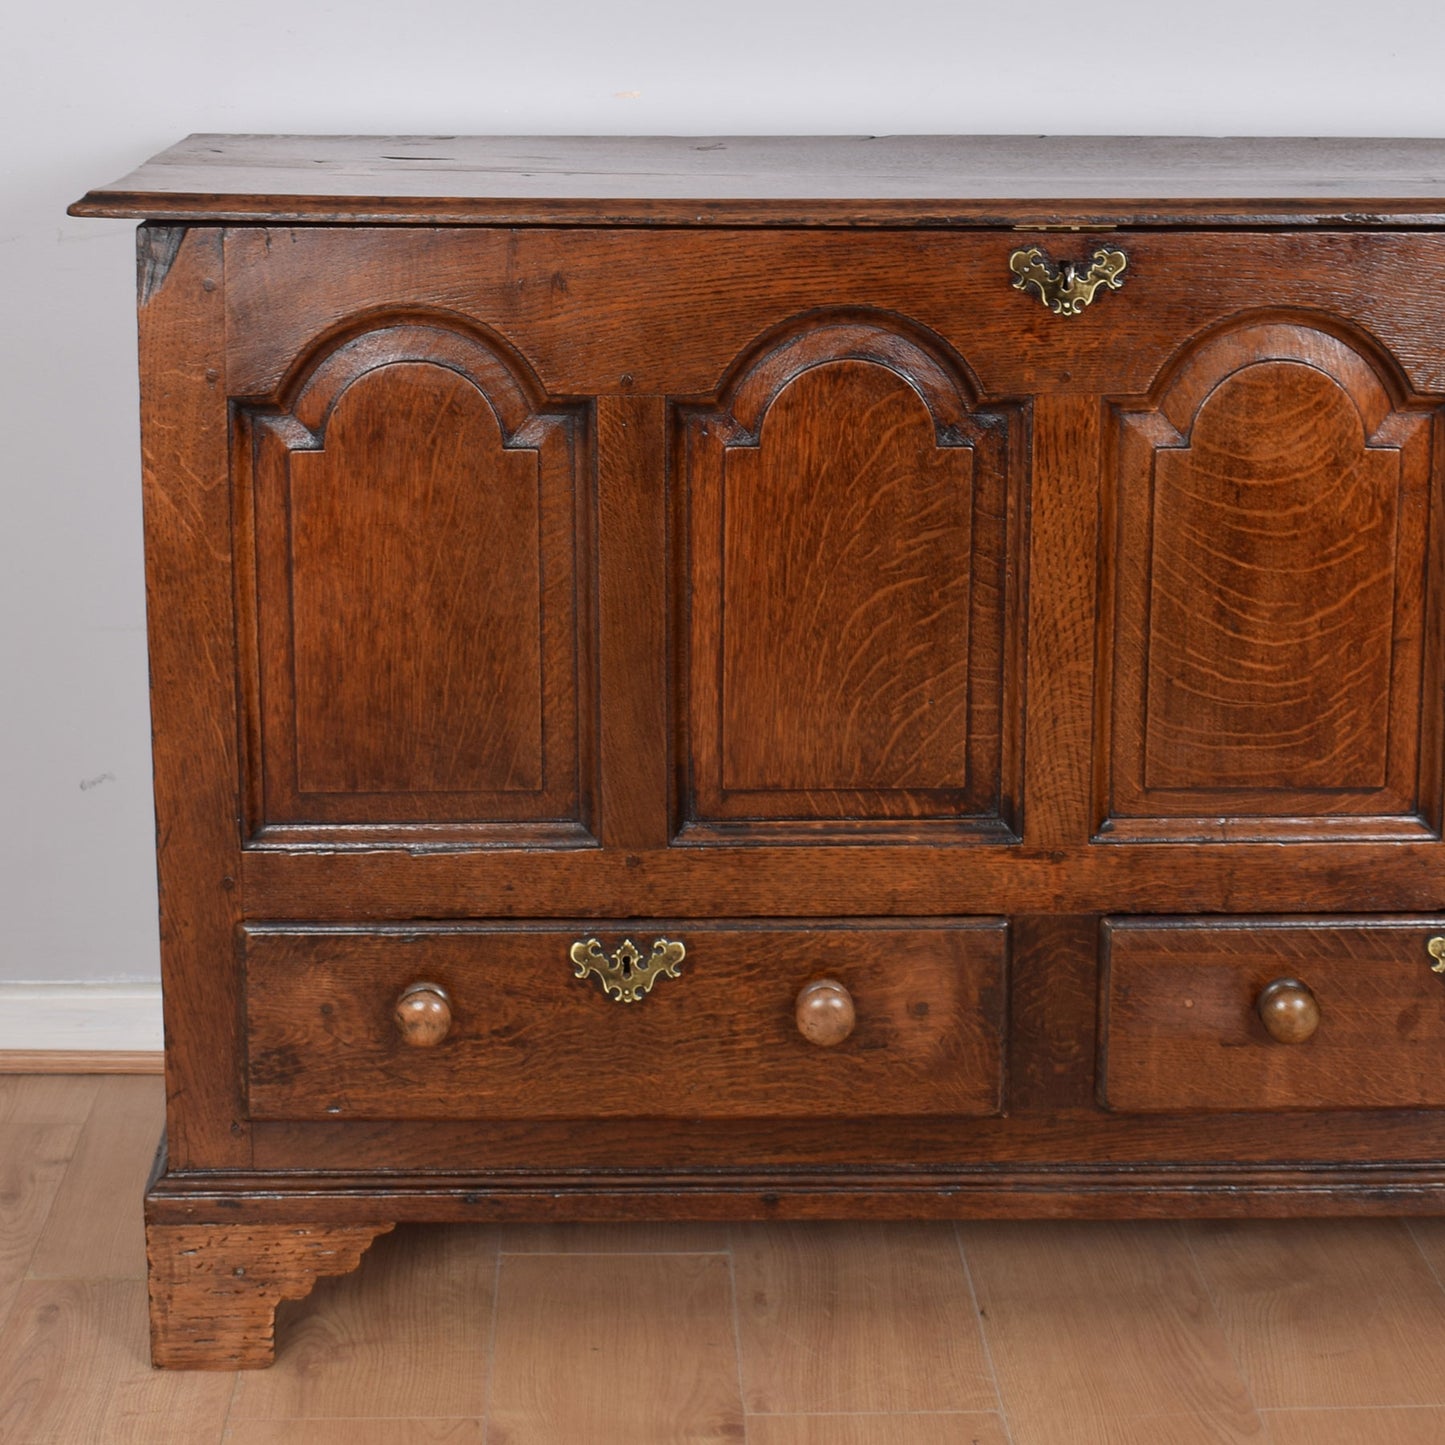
x: 80, y: 1028
x: 68, y: 1061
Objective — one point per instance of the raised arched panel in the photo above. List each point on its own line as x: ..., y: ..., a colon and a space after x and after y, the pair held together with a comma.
x: 413, y: 515
x: 1271, y: 535
x: 847, y: 521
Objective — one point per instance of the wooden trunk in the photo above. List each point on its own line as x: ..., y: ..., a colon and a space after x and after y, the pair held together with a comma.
x: 761, y: 678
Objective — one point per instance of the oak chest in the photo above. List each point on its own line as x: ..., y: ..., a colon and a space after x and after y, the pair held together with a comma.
x: 786, y: 678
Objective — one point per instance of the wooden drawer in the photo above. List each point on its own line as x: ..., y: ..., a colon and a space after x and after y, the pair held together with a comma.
x: 1181, y: 1027
x: 529, y: 1039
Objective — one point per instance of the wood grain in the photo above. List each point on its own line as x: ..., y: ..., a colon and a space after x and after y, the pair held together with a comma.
x: 616, y: 1350
x: 82, y: 1061
x: 416, y: 529
x: 74, y: 1367
x: 910, y: 1429
x: 407, y: 1335
x: 1180, y: 1000
x: 214, y: 1288
x: 1266, y: 646
x: 1063, y: 583
x: 847, y: 536
x: 1393, y: 1426
x: 814, y: 180
x: 757, y: 881
x: 532, y: 1040
x: 192, y: 623
x: 1301, y: 1309
x: 678, y: 569
x: 112, y: 1159
x: 412, y: 1324
x: 356, y: 1432
x: 33, y: 1161
x: 40, y: 1099
x: 1429, y: 1237
x: 620, y: 1238
x: 632, y: 623
x: 1094, y: 1329
x: 845, y: 1318
x: 644, y: 313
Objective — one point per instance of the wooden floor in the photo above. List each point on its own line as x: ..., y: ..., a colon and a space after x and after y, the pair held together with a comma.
x: 984, y: 1334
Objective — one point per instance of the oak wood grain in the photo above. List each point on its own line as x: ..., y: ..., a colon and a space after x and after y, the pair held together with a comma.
x: 1063, y: 579
x: 817, y: 180
x: 644, y: 313
x: 749, y: 554
x: 1266, y: 646
x: 754, y: 880
x: 418, y: 519
x: 632, y: 623
x: 214, y: 1288
x: 648, y: 1356
x: 1041, y: 1148
x: 1183, y: 1028
x: 846, y: 515
x: 192, y: 623
x: 850, y: 1318
x: 530, y: 1039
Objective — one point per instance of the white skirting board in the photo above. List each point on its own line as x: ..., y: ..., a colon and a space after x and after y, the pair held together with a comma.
x: 81, y: 1018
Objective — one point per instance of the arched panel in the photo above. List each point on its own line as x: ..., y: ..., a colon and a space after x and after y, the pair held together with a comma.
x: 1271, y: 523
x: 847, y: 507
x: 414, y: 516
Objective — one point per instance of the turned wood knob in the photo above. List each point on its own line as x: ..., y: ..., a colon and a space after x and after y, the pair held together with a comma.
x: 423, y: 1015
x: 1289, y: 1011
x: 825, y: 1012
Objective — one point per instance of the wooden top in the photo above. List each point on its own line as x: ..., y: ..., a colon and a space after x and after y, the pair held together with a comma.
x: 768, y: 180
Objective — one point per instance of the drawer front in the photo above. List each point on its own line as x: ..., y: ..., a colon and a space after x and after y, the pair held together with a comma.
x: 1189, y: 1020
x: 528, y: 1038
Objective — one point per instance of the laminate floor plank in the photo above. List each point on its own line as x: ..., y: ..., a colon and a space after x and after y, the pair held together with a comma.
x: 641, y: 1238
x: 1399, y: 1426
x: 857, y: 1318
x: 1102, y: 1334
x: 1429, y: 1237
x: 916, y: 1429
x: 33, y: 1160
x: 407, y: 1335
x: 47, y: 1098
x: 1327, y: 1312
x: 75, y: 1370
x: 95, y: 1229
x: 357, y: 1432
x: 624, y: 1349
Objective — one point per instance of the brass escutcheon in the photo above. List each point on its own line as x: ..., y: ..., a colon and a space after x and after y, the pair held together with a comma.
x: 1436, y: 949
x: 625, y: 978
x: 1063, y: 289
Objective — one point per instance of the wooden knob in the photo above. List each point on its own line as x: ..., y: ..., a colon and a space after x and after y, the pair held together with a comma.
x: 1289, y: 1011
x: 825, y: 1012
x: 423, y: 1015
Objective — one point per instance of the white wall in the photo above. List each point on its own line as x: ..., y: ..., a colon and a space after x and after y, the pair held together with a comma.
x: 89, y: 89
